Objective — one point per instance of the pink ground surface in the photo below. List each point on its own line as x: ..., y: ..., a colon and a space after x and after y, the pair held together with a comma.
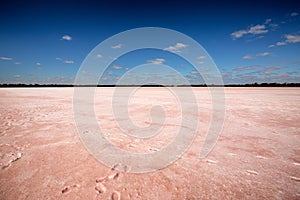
x: 257, y: 155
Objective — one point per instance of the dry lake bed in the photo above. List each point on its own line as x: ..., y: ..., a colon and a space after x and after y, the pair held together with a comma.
x: 257, y: 155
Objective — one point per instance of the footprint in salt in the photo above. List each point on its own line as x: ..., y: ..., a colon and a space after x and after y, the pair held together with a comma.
x: 68, y: 188
x: 153, y: 149
x: 116, y: 195
x: 101, y: 179
x: 9, y: 155
x: 120, y: 167
x: 106, y: 178
x: 100, y: 188
x: 113, y: 176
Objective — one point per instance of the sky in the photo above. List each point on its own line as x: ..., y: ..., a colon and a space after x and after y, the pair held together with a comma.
x: 46, y: 42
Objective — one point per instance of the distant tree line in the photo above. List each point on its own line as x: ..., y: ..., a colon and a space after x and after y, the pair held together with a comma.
x: 201, y: 85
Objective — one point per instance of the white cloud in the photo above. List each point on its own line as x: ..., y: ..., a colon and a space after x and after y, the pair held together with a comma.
x: 274, y: 68
x: 238, y: 34
x: 17, y: 76
x: 248, y: 56
x: 271, y: 46
x: 65, y: 61
x: 99, y: 56
x: 84, y: 72
x: 117, y: 67
x: 176, y: 48
x: 273, y: 26
x: 118, y: 46
x: 194, y: 72
x: 201, y: 57
x: 251, y: 67
x: 289, y: 38
x: 268, y: 21
x: 17, y: 63
x: 294, y: 14
x: 5, y: 58
x: 110, y: 72
x: 258, y: 29
x: 200, y: 62
x: 263, y: 54
x: 69, y: 62
x: 206, y: 69
x: 38, y: 64
x: 66, y: 37
x: 156, y: 61
x: 254, y: 30
x: 292, y: 38
x: 281, y: 43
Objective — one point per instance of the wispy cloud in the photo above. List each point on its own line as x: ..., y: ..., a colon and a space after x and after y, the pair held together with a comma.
x: 66, y: 37
x: 292, y: 38
x: 156, y: 61
x: 253, y: 30
x: 205, y: 69
x: 289, y: 38
x: 268, y: 71
x: 99, y: 56
x: 38, y: 64
x: 258, y: 29
x: 17, y: 76
x: 69, y: 62
x: 267, y: 21
x: 109, y: 72
x: 258, y: 73
x: 201, y: 57
x: 18, y: 63
x: 251, y: 67
x: 176, y: 48
x: 118, y: 46
x: 294, y: 14
x: 263, y: 54
x: 274, y: 68
x: 248, y: 56
x: 65, y: 61
x: 117, y: 67
x: 280, y: 43
x: 5, y: 58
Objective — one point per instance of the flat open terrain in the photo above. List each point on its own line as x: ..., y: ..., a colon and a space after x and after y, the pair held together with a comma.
x: 257, y: 155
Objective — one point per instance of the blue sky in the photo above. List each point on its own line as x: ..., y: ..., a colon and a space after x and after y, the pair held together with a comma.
x: 46, y: 41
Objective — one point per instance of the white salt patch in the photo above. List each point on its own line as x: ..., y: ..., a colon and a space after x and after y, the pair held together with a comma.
x: 261, y: 157
x: 295, y: 178
x: 296, y: 163
x: 211, y: 161
x: 232, y: 154
x: 252, y: 172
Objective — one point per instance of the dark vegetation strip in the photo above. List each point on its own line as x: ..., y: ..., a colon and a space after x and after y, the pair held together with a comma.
x: 203, y: 85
